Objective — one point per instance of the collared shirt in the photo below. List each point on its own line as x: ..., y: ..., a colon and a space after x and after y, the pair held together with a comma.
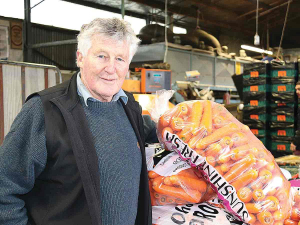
x: 86, y: 94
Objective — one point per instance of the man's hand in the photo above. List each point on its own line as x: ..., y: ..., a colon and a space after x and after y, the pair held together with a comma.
x: 293, y: 147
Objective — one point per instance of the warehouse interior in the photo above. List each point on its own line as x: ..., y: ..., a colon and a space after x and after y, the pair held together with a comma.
x: 208, y: 62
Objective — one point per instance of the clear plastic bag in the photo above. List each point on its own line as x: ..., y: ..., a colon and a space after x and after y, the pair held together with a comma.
x: 294, y: 217
x: 237, y: 165
x: 173, y: 182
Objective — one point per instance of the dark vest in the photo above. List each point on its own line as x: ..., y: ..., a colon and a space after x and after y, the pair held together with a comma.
x: 67, y: 191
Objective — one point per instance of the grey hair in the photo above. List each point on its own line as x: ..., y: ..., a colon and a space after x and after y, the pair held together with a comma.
x: 115, y: 28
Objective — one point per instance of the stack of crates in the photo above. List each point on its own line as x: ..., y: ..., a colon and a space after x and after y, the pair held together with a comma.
x: 256, y: 90
x: 282, y: 109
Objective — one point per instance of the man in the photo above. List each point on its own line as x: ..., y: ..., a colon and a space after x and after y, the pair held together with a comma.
x: 295, y: 145
x: 75, y: 153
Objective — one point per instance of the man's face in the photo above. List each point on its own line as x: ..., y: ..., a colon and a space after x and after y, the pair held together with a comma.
x: 297, y: 88
x: 105, y: 66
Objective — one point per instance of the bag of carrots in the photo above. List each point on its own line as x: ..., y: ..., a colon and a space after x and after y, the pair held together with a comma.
x: 173, y: 181
x: 294, y: 218
x: 192, y: 214
x: 236, y: 164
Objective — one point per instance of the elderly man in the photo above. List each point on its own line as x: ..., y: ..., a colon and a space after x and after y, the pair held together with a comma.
x: 295, y: 145
x: 75, y: 153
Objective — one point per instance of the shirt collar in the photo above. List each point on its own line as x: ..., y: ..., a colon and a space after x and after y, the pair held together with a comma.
x: 85, y: 93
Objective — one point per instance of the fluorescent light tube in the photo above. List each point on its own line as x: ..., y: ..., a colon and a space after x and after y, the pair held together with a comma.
x: 254, y: 49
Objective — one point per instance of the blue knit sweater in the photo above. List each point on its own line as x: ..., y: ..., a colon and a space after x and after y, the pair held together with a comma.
x: 23, y: 157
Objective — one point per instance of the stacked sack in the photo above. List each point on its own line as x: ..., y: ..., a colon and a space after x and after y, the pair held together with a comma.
x: 282, y: 122
x: 230, y: 158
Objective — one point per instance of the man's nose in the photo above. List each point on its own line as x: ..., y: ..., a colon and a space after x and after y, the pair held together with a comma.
x: 110, y: 67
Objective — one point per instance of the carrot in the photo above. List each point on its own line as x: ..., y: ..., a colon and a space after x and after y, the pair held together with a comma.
x: 261, y: 163
x: 182, y: 110
x: 167, y: 181
x: 211, y: 160
x: 206, y: 120
x: 245, y: 179
x: 162, y: 200
x: 245, y: 194
x: 271, y: 203
x: 185, y: 134
x: 193, y: 196
x: 239, y: 138
x: 219, y: 121
x: 224, y: 158
x: 295, y: 215
x: 279, y: 215
x: 177, y: 124
x: 217, y: 135
x: 252, y: 218
x: 152, y: 174
x: 253, y: 207
x: 270, y: 166
x: 297, y: 196
x: 158, y: 180
x: 218, y: 168
x: 226, y: 142
x: 213, y: 150
x: 282, y: 195
x: 290, y: 222
x: 189, y: 183
x: 239, y: 152
x: 258, y: 195
x: 196, y: 115
x: 193, y: 141
x: 226, y: 166
x: 265, y: 218
x: 257, y: 184
x: 165, y: 119
x: 265, y: 175
x: 278, y: 223
x: 239, y: 167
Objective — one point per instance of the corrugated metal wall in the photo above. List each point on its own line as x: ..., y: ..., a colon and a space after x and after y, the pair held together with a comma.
x: 62, y: 56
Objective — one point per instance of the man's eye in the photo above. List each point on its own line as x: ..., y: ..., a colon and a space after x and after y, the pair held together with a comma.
x: 120, y: 59
x: 101, y: 56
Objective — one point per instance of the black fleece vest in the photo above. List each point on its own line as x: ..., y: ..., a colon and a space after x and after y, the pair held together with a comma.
x: 67, y: 191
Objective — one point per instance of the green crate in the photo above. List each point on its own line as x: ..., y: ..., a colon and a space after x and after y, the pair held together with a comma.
x: 282, y: 87
x: 259, y: 132
x: 291, y: 105
x: 283, y: 73
x: 249, y: 76
x: 256, y: 103
x: 282, y: 118
x: 286, y: 132
x: 260, y: 117
x: 257, y: 88
x: 279, y: 146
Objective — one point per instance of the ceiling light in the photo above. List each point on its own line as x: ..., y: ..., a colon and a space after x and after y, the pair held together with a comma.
x: 254, y: 49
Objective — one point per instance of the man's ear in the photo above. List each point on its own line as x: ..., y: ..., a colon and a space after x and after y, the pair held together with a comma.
x: 79, y: 59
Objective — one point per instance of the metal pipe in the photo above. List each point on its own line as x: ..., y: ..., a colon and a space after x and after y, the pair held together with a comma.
x: 27, y: 55
x: 123, y: 8
x: 55, y: 43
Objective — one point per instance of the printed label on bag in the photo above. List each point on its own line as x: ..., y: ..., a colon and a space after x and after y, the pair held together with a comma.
x: 226, y: 192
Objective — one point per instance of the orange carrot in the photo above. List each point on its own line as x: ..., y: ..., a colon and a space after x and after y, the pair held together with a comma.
x: 253, y: 207
x: 239, y: 152
x: 217, y: 135
x: 239, y: 138
x: 151, y: 194
x: 158, y: 180
x: 265, y: 218
x: 182, y: 110
x: 245, y: 194
x: 278, y: 223
x: 193, y: 196
x: 206, y: 120
x: 219, y: 121
x: 226, y: 166
x: 226, y: 142
x: 152, y: 174
x: 224, y: 158
x: 188, y: 173
x: 196, y: 115
x: 290, y: 222
x: 189, y: 183
x: 271, y: 203
x: 265, y: 175
x: 270, y: 166
x: 218, y: 168
x: 258, y: 195
x: 211, y: 160
x: 193, y: 141
x: 257, y: 184
x: 295, y: 215
x: 185, y: 134
x: 244, y: 179
x: 213, y: 150
x: 177, y: 124
x: 167, y: 181
x: 239, y: 167
x: 279, y: 215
